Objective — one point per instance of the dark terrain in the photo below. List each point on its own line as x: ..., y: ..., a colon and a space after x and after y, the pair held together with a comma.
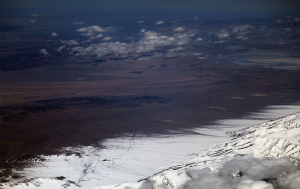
x: 57, y: 100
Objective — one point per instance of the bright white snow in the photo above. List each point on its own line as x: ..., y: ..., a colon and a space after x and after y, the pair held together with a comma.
x: 261, y: 156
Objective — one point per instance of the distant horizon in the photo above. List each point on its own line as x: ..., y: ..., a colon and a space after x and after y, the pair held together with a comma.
x: 255, y: 8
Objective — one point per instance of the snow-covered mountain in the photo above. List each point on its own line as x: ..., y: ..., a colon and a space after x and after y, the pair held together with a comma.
x: 263, y: 156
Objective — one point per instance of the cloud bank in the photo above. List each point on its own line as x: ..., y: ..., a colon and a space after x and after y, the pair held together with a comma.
x: 244, y: 174
x: 239, y: 173
x: 241, y: 31
x: 238, y: 32
x: 150, y: 42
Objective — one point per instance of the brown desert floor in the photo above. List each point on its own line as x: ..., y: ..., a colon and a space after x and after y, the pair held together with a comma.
x: 44, y: 109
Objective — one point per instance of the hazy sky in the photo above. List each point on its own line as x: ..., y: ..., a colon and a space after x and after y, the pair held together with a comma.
x: 274, y: 6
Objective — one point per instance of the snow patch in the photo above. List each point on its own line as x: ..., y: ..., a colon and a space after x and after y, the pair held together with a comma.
x: 263, y: 156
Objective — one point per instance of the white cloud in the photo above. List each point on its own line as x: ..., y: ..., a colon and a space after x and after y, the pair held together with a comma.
x: 91, y: 30
x: 199, y: 39
x: 241, y: 31
x: 207, y: 181
x: 196, y: 17
x: 159, y: 22
x: 107, y: 38
x: 153, y: 40
x: 102, y: 49
x: 44, y: 52
x: 195, y: 174
x: 70, y: 42
x: 33, y: 20
x: 222, y: 34
x: 258, y: 169
x: 239, y: 173
x: 251, y: 184
x: 61, y: 48
x: 179, y: 29
x: 95, y: 37
x: 140, y: 22
x: 54, y: 34
x: 291, y: 181
x: 143, y: 58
